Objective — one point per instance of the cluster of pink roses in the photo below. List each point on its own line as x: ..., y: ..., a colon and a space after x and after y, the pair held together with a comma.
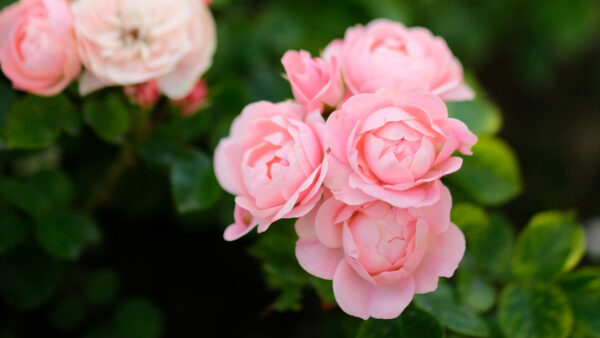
x: 357, y: 158
x: 160, y: 46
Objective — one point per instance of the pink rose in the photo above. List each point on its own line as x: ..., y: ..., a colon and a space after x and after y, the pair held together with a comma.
x: 314, y: 81
x: 38, y: 52
x: 194, y: 99
x: 273, y: 161
x: 385, y: 53
x: 394, y: 147
x: 130, y: 42
x: 144, y: 94
x: 379, y: 256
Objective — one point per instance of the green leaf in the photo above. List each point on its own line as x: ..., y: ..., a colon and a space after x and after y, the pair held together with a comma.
x: 489, y: 239
x: 193, y: 183
x: 442, y: 305
x: 36, y: 122
x: 7, y: 98
x: 102, y: 287
x: 491, y: 175
x: 411, y: 323
x: 552, y: 243
x: 138, y: 318
x: 29, y: 278
x: 475, y: 291
x: 65, y: 234
x: 536, y: 311
x: 13, y: 230
x: 582, y: 288
x: 481, y: 116
x: 67, y: 314
x: 108, y: 118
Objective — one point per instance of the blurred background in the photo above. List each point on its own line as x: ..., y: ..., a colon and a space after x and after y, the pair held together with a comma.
x: 170, y: 275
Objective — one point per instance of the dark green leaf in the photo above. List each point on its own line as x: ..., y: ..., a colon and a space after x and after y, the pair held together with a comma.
x: 551, y: 243
x: 67, y: 314
x: 193, y: 183
x: 474, y: 290
x: 102, y: 287
x: 536, y: 311
x: 29, y: 278
x: 138, y: 318
x: 65, y: 234
x: 36, y: 122
x: 582, y: 288
x: 491, y: 175
x: 7, y: 98
x: 411, y: 323
x: 108, y: 117
x: 442, y: 305
x: 13, y: 230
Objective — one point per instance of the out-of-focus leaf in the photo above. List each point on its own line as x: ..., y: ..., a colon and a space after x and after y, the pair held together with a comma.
x: 551, y: 243
x: 67, y: 314
x: 411, y: 323
x: 65, y: 234
x: 193, y: 183
x: 491, y: 175
x: 102, y: 287
x: 13, y: 230
x: 7, y: 98
x: 108, y: 117
x: 535, y: 311
x: 36, y: 122
x: 442, y: 305
x: 29, y: 278
x: 582, y: 288
x: 138, y: 318
x: 474, y: 290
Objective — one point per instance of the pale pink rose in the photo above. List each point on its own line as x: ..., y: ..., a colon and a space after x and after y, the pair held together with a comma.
x: 385, y: 53
x: 144, y: 94
x: 194, y: 99
x: 38, y: 52
x: 377, y: 255
x: 314, y: 81
x: 125, y: 42
x: 393, y: 146
x: 274, y: 162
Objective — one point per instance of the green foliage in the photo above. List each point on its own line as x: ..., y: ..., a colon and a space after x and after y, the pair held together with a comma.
x: 442, y: 305
x: 533, y: 311
x: 13, y: 230
x: 138, y: 318
x: 102, y: 287
x: 65, y: 234
x: 412, y: 323
x: 491, y: 175
x: 67, y: 314
x: 193, y: 181
x: 474, y: 291
x: 36, y: 122
x: 108, y: 117
x: 582, y: 288
x: 552, y: 243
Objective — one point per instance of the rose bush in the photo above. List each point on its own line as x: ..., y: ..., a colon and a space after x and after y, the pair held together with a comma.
x: 38, y: 51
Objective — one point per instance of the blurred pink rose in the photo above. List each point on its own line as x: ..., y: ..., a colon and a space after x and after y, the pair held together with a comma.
x: 273, y: 161
x: 385, y: 53
x: 194, y: 99
x: 394, y: 147
x: 144, y: 94
x: 38, y: 52
x: 129, y: 42
x: 314, y: 81
x: 379, y: 256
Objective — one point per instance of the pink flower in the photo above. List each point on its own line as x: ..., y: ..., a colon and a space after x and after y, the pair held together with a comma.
x: 377, y: 255
x: 385, y: 53
x: 273, y: 161
x: 129, y: 42
x: 394, y: 147
x: 194, y: 99
x: 38, y: 52
x: 144, y: 94
x: 314, y: 81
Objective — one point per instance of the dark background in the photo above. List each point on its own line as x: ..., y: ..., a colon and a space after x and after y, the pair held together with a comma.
x: 538, y: 60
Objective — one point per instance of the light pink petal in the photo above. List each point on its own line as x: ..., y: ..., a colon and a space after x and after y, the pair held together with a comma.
x: 244, y: 223
x: 461, y: 92
x: 328, y: 230
x: 444, y: 253
x: 89, y: 83
x: 437, y: 215
x: 317, y: 259
x: 360, y: 298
